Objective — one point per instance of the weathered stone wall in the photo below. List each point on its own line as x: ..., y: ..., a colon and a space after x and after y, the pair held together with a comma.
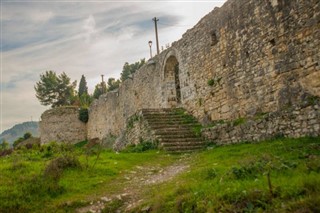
x: 62, y: 125
x: 109, y: 114
x: 138, y: 130
x: 293, y: 123
x: 240, y: 60
x: 262, y: 56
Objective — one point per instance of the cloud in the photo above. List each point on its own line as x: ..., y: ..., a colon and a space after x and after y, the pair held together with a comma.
x: 89, y: 38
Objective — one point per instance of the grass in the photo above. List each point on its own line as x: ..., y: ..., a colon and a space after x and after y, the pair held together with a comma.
x: 235, y: 179
x: 282, y: 175
x: 26, y: 187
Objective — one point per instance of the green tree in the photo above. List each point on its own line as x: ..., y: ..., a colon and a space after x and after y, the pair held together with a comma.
x: 100, y: 89
x: 129, y: 69
x: 113, y: 84
x: 27, y: 135
x: 4, y: 145
x: 18, y: 141
x: 55, y: 90
x: 85, y: 100
x: 83, y: 88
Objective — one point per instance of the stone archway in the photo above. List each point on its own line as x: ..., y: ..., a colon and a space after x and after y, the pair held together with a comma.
x: 172, y: 82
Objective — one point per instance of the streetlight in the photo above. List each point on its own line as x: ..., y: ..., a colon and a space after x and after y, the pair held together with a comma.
x: 150, y: 44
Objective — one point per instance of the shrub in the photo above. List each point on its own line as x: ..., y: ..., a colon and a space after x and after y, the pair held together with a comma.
x: 211, y: 82
x: 210, y: 174
x: 83, y: 115
x: 56, y: 166
x: 27, y: 135
x: 141, y: 147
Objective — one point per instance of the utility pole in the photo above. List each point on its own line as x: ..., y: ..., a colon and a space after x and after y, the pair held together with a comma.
x: 102, y: 78
x: 156, y: 29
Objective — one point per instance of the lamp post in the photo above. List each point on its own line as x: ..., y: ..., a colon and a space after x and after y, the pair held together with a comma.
x: 150, y: 44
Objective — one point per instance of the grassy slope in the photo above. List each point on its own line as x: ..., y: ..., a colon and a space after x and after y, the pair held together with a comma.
x: 234, y: 179
x: 230, y: 178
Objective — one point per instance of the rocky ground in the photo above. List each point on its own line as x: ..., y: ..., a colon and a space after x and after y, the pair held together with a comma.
x: 135, y: 182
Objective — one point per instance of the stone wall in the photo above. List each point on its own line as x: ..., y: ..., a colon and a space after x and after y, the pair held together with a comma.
x: 260, y: 56
x: 138, y: 130
x: 293, y: 123
x: 109, y: 114
x: 245, y: 58
x: 62, y: 125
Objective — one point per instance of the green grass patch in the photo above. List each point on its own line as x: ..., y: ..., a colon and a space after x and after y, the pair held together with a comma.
x: 55, y: 178
x: 274, y: 176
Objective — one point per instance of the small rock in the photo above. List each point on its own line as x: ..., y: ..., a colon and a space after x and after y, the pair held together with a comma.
x: 105, y: 199
x: 146, y: 209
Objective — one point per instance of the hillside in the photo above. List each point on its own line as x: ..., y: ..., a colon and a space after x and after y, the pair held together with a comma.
x: 281, y: 175
x: 18, y: 130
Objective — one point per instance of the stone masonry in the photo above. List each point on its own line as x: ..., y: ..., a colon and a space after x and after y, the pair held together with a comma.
x: 246, y: 58
x: 62, y: 125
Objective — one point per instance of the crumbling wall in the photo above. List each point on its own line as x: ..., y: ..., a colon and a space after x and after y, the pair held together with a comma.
x: 243, y: 59
x: 62, y: 125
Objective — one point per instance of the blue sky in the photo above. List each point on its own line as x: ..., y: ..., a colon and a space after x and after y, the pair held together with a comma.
x: 80, y: 37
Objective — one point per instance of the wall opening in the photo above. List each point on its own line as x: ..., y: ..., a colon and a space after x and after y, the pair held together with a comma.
x: 172, y: 82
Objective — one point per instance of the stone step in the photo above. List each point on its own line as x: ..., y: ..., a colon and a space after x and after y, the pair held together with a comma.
x: 173, y: 130
x: 173, y: 126
x: 183, y: 148
x: 173, y: 133
x: 182, y: 140
x: 181, y: 143
x: 172, y: 122
x: 178, y: 136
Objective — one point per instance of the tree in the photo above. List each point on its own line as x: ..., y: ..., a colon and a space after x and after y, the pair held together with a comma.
x: 129, y: 69
x: 27, y: 135
x: 83, y: 89
x: 55, y: 90
x: 100, y: 89
x: 113, y: 84
x: 4, y: 145
x: 85, y: 100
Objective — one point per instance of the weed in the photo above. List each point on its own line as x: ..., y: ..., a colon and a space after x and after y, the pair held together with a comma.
x: 141, y: 147
x: 130, y: 122
x: 210, y: 174
x: 239, y: 121
x: 113, y: 206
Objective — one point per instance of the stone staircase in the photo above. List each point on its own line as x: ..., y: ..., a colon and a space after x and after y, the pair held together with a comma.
x: 175, y: 130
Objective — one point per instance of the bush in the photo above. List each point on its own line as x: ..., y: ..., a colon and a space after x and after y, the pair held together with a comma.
x: 141, y: 147
x: 27, y: 135
x: 83, y: 115
x: 56, y: 166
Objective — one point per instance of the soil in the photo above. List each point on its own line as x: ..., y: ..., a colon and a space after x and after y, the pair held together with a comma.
x: 135, y: 182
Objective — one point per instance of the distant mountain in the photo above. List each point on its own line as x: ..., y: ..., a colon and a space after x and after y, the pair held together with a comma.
x: 19, y: 130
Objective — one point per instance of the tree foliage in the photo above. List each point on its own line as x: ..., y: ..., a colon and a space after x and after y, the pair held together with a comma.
x: 113, y: 84
x: 4, y: 145
x: 55, y: 90
x: 129, y: 69
x: 83, y: 88
x: 100, y: 89
x: 27, y: 135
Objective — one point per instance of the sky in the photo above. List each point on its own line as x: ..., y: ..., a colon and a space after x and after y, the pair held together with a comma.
x: 88, y: 38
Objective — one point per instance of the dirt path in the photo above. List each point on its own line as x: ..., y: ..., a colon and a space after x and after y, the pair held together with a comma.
x: 135, y: 182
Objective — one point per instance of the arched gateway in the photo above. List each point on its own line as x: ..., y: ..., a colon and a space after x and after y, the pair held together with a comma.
x: 172, y: 89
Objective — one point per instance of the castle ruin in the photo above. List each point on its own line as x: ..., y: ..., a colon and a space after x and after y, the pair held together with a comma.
x: 246, y: 59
